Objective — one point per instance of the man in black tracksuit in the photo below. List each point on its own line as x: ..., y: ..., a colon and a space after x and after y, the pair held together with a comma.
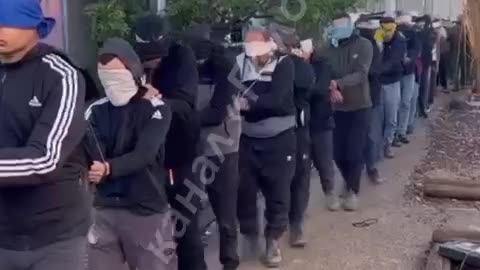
x: 321, y: 130
x: 173, y: 71
x: 44, y: 206
x: 126, y: 143
x: 268, y: 143
x: 288, y: 43
x: 220, y: 136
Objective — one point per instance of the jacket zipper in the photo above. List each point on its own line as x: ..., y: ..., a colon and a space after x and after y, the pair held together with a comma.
x: 3, y: 78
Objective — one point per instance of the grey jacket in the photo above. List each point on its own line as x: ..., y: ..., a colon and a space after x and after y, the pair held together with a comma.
x: 351, y: 62
x: 225, y: 137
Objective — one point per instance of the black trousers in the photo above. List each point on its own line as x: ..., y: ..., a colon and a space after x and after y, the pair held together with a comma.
x: 433, y: 84
x: 322, y: 157
x: 443, y: 71
x: 300, y: 187
x: 267, y: 165
x: 223, y: 193
x: 185, y: 197
x: 350, y: 137
x: 424, y: 91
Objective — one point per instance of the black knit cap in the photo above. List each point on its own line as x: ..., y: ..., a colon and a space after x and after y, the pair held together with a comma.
x: 387, y: 20
x: 151, y: 27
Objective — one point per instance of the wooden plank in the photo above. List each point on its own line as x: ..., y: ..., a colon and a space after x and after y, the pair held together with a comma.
x: 452, y: 192
x: 446, y: 235
x: 452, y: 182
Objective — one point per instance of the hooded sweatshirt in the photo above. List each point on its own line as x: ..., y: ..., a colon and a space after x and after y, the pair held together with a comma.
x: 220, y: 118
x: 176, y: 77
x: 131, y: 138
x: 43, y: 198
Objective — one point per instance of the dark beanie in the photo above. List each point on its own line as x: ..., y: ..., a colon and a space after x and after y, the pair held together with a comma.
x: 150, y: 28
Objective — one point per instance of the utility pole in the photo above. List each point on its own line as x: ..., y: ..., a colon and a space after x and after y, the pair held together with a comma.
x: 158, y: 6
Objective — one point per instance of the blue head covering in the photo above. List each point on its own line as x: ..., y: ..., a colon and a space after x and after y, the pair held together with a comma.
x: 25, y: 14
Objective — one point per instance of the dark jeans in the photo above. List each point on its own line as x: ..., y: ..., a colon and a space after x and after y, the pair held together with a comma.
x: 185, y: 197
x: 118, y: 237
x: 223, y: 192
x: 350, y: 137
x: 300, y: 188
x: 424, y: 92
x: 443, y: 71
x: 69, y: 254
x: 267, y: 165
x: 375, y: 141
x: 433, y: 84
x: 322, y: 157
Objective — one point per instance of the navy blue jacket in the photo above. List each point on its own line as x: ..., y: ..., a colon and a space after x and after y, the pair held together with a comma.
x: 394, y: 53
x: 304, y: 80
x: 413, y: 48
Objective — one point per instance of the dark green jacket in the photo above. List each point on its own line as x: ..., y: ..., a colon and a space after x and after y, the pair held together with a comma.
x: 350, y: 63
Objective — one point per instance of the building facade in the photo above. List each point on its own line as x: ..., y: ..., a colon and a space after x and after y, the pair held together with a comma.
x: 444, y: 9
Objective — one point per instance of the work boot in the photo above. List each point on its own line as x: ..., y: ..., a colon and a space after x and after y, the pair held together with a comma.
x: 250, y: 246
x: 410, y: 130
x: 273, y: 255
x: 388, y: 152
x: 332, y: 202
x: 403, y: 139
x: 351, y: 202
x: 374, y: 176
x: 297, y: 238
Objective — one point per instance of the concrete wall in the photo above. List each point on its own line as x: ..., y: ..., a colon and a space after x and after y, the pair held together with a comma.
x: 80, y: 45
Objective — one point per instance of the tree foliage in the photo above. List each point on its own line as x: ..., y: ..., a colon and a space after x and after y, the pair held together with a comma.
x: 113, y: 18
x: 301, y: 13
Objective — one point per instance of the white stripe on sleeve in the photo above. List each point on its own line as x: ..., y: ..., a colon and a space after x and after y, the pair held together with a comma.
x: 63, y: 120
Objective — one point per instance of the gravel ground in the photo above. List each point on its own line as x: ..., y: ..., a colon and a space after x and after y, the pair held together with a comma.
x: 399, y: 240
x: 454, y: 149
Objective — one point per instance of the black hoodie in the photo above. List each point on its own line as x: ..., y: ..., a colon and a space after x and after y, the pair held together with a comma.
x: 176, y: 77
x: 131, y: 139
x: 42, y: 196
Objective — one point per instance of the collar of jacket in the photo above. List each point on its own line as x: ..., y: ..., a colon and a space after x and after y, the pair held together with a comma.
x: 346, y: 41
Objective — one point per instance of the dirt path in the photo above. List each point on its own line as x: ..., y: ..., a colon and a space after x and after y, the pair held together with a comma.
x: 397, y: 242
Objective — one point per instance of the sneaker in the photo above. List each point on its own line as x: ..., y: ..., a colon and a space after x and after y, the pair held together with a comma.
x: 351, y: 202
x: 428, y: 109
x: 332, y: 202
x: 374, y: 177
x: 273, y: 255
x: 297, y: 238
x: 250, y: 246
x: 396, y: 142
x: 388, y: 152
x: 403, y: 139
